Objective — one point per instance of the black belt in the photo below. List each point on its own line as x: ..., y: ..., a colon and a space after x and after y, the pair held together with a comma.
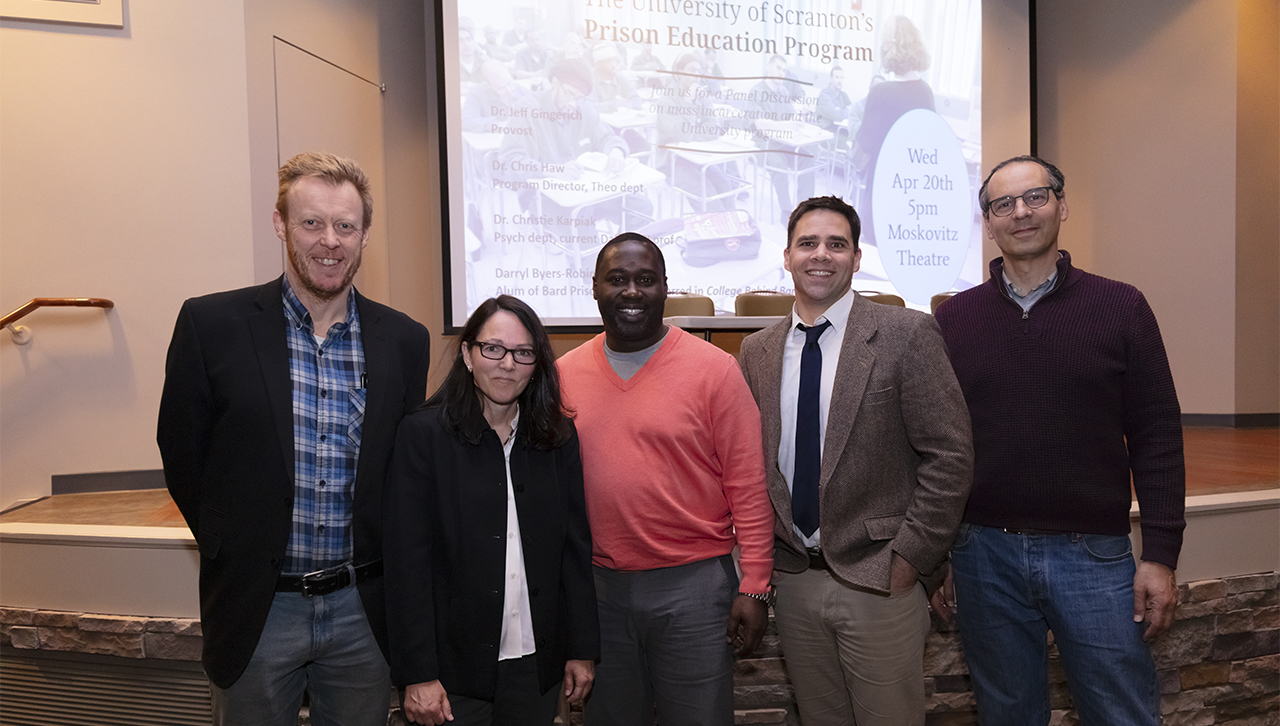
x: 816, y: 560
x: 323, y: 582
x: 1033, y: 532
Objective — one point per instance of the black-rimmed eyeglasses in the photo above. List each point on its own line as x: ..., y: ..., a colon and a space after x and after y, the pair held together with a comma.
x: 1033, y: 198
x: 493, y: 351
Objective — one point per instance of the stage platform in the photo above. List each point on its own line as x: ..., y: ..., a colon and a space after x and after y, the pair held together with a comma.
x: 130, y: 552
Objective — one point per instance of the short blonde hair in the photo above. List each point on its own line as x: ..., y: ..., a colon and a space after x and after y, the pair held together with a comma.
x: 332, y: 169
x: 902, y: 48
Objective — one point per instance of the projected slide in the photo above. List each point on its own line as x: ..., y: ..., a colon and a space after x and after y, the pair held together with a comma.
x: 701, y: 123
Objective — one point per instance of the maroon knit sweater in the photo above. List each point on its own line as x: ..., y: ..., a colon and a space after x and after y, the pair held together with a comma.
x: 1055, y: 394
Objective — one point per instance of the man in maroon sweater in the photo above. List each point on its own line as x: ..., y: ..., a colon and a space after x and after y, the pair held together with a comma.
x: 1070, y: 396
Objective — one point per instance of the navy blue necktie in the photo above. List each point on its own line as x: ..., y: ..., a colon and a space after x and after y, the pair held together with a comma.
x: 808, y: 454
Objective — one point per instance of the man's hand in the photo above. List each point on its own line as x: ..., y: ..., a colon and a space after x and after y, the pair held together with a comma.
x: 578, y: 677
x: 616, y: 163
x: 747, y: 619
x: 427, y: 703
x: 1155, y: 595
x: 902, y: 575
x: 943, y: 600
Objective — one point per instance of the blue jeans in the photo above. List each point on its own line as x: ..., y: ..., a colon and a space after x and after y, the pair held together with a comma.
x: 1011, y: 589
x: 322, y: 645
x: 662, y: 644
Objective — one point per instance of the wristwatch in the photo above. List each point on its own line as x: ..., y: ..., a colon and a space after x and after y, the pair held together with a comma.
x: 768, y: 597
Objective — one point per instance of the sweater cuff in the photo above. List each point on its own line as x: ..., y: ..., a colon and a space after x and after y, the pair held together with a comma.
x: 1161, y: 549
x: 756, y: 575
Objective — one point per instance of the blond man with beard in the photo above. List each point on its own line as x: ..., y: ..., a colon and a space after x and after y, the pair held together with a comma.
x: 279, y: 410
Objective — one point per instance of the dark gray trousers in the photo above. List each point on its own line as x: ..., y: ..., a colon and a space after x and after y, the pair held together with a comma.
x: 662, y: 641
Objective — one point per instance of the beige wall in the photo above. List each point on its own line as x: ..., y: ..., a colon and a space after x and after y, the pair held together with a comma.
x: 1006, y: 85
x: 1144, y: 94
x: 124, y: 156
x: 138, y: 164
x: 413, y: 176
x: 1258, y: 207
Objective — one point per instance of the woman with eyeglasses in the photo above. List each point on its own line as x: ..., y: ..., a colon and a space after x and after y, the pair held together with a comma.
x: 491, y: 605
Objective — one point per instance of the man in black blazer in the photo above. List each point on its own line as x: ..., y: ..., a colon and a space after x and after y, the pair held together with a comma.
x: 277, y: 419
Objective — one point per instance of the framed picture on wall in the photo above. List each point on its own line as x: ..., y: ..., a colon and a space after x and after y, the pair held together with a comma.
x: 107, y: 13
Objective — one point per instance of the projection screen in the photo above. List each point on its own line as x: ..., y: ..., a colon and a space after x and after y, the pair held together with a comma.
x: 701, y: 123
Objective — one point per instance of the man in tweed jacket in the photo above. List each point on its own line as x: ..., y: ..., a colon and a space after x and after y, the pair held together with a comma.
x: 894, y: 463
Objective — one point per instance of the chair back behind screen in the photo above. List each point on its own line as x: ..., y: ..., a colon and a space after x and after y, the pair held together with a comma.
x: 683, y: 303
x: 763, y: 302
x: 883, y: 298
x: 938, y: 299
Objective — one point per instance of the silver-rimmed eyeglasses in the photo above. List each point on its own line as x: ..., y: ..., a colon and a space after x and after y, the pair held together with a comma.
x: 1033, y: 198
x: 493, y: 351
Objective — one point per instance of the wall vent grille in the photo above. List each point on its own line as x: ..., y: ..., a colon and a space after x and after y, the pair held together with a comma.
x: 38, y: 688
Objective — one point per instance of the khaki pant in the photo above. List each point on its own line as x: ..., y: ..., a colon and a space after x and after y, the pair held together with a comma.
x: 854, y: 656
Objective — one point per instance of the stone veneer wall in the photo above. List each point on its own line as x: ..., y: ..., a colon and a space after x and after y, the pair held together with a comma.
x: 119, y: 635
x: 1219, y: 663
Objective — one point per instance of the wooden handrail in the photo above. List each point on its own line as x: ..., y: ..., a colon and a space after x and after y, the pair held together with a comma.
x: 54, y: 302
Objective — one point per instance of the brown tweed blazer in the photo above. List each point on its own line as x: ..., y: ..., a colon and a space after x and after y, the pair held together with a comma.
x: 897, y: 459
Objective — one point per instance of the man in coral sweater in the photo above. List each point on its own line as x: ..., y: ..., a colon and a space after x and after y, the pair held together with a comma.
x: 674, y: 479
x: 1071, y: 397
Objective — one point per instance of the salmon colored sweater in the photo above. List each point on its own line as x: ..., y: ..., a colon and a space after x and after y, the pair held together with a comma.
x: 672, y: 458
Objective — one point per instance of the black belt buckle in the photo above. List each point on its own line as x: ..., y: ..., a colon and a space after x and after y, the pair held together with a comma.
x: 322, y: 582
x: 816, y: 560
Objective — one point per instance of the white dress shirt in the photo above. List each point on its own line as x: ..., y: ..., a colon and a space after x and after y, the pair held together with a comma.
x: 517, y: 616
x: 830, y: 342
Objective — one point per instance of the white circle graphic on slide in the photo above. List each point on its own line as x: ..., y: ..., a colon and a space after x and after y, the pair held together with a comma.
x: 922, y: 206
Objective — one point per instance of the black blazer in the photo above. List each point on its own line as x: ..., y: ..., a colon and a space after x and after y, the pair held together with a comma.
x: 446, y: 517
x: 226, y: 439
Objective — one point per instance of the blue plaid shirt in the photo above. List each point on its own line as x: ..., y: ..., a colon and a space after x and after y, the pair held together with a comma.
x: 328, y: 414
